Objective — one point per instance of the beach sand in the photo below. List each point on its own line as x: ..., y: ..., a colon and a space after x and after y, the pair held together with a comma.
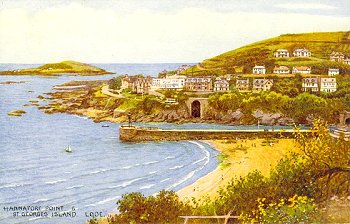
x: 241, y: 157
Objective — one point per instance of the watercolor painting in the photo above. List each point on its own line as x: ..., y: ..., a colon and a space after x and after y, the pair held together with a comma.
x: 200, y: 111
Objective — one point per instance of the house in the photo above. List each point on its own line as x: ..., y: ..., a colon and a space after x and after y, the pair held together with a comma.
x: 127, y: 82
x: 333, y: 71
x: 281, y: 53
x: 262, y: 84
x: 301, y: 70
x: 301, y: 52
x: 259, y: 69
x: 182, y: 68
x: 175, y: 82
x: 281, y: 70
x: 198, y: 84
x: 328, y: 85
x: 310, y: 85
x: 242, y: 84
x: 336, y: 56
x: 221, y: 86
x: 347, y: 61
x: 142, y: 85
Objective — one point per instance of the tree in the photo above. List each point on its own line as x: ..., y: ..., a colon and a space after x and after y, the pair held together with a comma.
x: 115, y: 83
x: 165, y: 207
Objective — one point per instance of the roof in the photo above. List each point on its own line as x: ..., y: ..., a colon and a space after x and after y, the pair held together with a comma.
x: 332, y: 80
x: 302, y: 68
x: 259, y: 66
x: 198, y: 79
x: 221, y: 82
x: 262, y: 81
x: 335, y: 53
x: 282, y: 50
x: 284, y: 68
x: 313, y: 80
x: 301, y: 49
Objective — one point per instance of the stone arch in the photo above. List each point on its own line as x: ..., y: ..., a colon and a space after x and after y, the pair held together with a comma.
x: 196, y: 109
x: 347, y: 121
x: 344, y: 118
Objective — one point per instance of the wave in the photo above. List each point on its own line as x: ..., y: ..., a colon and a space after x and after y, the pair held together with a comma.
x: 107, y: 200
x: 185, y: 178
x: 206, y: 152
x: 56, y: 181
x: 166, y: 179
x: 13, y: 185
x: 82, y: 117
x: 147, y: 186
x: 151, y: 162
x: 99, y: 171
x: 41, y: 200
x: 126, y: 167
x: 73, y: 187
x: 198, y: 144
x: 176, y: 167
x: 128, y: 183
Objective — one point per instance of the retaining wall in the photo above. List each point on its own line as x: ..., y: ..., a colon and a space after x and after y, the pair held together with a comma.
x: 136, y: 134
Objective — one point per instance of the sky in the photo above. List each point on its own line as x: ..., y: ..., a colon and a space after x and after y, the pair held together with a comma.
x: 151, y: 31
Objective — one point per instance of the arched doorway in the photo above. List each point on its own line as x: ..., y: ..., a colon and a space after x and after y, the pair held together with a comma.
x: 347, y: 121
x: 196, y: 109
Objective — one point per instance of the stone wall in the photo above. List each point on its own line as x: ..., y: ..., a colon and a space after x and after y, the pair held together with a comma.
x: 135, y: 134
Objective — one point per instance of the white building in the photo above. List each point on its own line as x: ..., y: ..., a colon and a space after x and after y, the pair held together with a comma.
x: 221, y: 86
x: 301, y: 70
x: 175, y: 82
x: 301, y: 52
x: 347, y: 61
x: 281, y: 70
x: 259, y: 69
x: 310, y: 85
x: 333, y: 71
x: 328, y: 85
x: 336, y: 56
x: 281, y: 53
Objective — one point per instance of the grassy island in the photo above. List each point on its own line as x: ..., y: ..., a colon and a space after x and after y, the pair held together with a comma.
x: 64, y: 67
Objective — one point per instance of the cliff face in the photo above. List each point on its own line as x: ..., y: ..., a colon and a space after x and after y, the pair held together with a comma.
x: 182, y: 115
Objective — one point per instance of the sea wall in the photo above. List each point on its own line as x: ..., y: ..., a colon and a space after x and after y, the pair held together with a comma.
x: 137, y: 134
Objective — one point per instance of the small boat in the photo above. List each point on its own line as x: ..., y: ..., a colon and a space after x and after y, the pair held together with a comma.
x: 68, y: 149
x: 105, y: 126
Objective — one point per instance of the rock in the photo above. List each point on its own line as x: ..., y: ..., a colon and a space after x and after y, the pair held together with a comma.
x: 173, y: 116
x: 285, y: 121
x: 16, y: 113
x: 258, y: 113
x: 118, y: 113
x: 270, y: 119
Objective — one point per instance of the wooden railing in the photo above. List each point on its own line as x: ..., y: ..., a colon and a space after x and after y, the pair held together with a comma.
x: 226, y: 217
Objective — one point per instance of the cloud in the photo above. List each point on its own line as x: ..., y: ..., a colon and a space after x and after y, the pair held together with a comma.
x: 90, y: 34
x: 305, y: 6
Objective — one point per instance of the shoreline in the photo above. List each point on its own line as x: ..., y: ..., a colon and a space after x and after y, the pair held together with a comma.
x: 240, y: 158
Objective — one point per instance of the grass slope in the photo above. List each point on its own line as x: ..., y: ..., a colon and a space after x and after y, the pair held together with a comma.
x: 243, y: 59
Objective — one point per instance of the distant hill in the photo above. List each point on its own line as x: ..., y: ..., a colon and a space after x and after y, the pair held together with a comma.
x: 64, y: 67
x: 243, y: 59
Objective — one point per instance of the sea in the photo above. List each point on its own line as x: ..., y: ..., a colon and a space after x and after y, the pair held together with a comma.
x: 41, y: 183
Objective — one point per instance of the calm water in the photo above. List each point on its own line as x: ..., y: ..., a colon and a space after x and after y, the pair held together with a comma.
x: 36, y: 171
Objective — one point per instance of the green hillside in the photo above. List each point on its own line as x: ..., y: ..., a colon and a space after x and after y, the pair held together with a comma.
x: 243, y: 59
x: 64, y: 67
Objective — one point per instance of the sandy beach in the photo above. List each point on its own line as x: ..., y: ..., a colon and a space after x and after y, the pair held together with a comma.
x: 238, y: 158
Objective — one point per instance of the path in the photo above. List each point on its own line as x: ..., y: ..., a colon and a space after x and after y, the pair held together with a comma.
x: 105, y: 90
